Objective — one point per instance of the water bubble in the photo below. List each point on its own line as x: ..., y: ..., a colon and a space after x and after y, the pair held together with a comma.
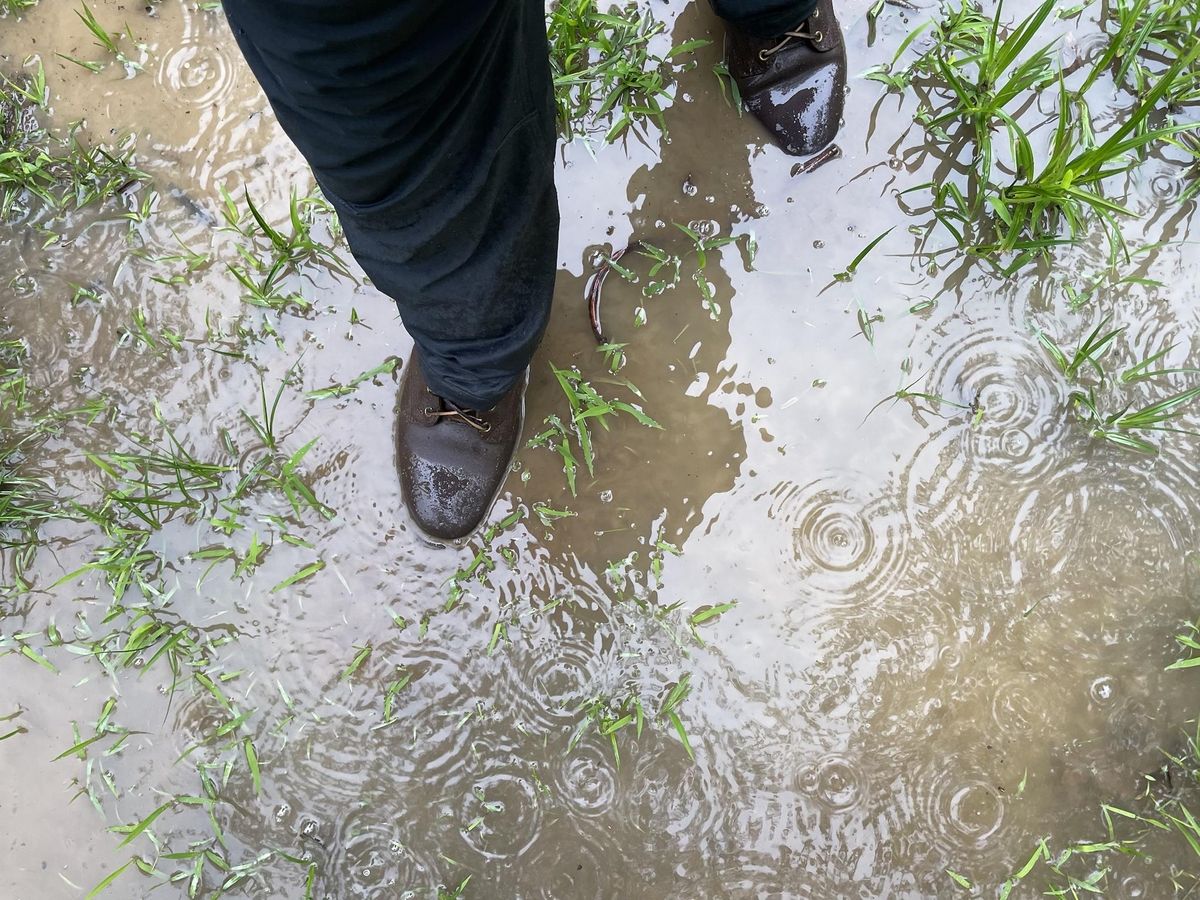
x: 689, y: 187
x: 818, y: 244
x: 369, y: 858
x: 976, y: 810
x: 1132, y: 887
x: 1103, y: 689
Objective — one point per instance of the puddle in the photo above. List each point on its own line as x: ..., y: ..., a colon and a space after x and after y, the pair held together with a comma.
x: 949, y: 639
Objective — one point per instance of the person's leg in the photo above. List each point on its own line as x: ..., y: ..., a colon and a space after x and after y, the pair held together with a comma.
x: 789, y: 62
x: 430, y: 127
x: 764, y: 18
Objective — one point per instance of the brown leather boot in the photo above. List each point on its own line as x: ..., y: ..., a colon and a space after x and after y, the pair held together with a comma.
x: 452, y: 460
x: 795, y: 82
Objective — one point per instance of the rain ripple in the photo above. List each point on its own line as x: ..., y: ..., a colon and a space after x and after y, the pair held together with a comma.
x: 672, y: 804
x: 370, y: 858
x: 501, y: 812
x: 1023, y: 404
x: 957, y: 812
x: 844, y: 544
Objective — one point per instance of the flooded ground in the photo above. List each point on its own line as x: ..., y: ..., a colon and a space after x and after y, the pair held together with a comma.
x: 950, y: 631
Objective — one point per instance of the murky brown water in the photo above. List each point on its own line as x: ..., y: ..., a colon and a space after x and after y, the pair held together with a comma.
x: 928, y: 613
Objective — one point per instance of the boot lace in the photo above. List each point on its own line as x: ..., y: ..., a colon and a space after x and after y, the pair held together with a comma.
x: 800, y: 34
x: 454, y: 412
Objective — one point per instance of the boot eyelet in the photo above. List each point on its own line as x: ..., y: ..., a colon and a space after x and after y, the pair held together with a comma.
x: 486, y: 428
x: 764, y: 56
x: 818, y: 37
x: 816, y: 14
x: 429, y: 411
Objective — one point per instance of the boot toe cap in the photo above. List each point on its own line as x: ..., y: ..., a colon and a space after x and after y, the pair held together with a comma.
x: 449, y: 500
x: 802, y: 112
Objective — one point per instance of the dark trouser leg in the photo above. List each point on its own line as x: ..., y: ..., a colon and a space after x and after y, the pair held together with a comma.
x: 764, y: 18
x: 430, y: 127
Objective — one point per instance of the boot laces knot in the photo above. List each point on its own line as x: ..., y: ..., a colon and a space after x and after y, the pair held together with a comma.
x: 455, y: 413
x: 800, y: 34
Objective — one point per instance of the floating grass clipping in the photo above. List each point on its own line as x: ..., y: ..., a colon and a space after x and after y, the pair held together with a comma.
x: 1092, y: 397
x: 340, y: 390
x: 110, y: 43
x: 586, y: 405
x: 606, y: 80
x: 849, y: 272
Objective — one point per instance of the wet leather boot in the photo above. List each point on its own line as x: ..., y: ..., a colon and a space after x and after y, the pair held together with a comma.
x: 795, y: 82
x: 452, y: 460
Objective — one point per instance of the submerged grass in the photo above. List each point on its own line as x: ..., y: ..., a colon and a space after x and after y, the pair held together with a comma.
x: 113, y: 44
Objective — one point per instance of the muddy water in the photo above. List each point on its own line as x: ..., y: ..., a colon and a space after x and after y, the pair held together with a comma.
x: 930, y: 614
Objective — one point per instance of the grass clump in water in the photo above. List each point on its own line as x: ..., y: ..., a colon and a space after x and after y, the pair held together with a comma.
x: 606, y: 79
x: 112, y: 43
x: 1095, y: 391
x: 56, y: 173
x: 977, y: 85
x: 586, y: 405
x: 273, y: 257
